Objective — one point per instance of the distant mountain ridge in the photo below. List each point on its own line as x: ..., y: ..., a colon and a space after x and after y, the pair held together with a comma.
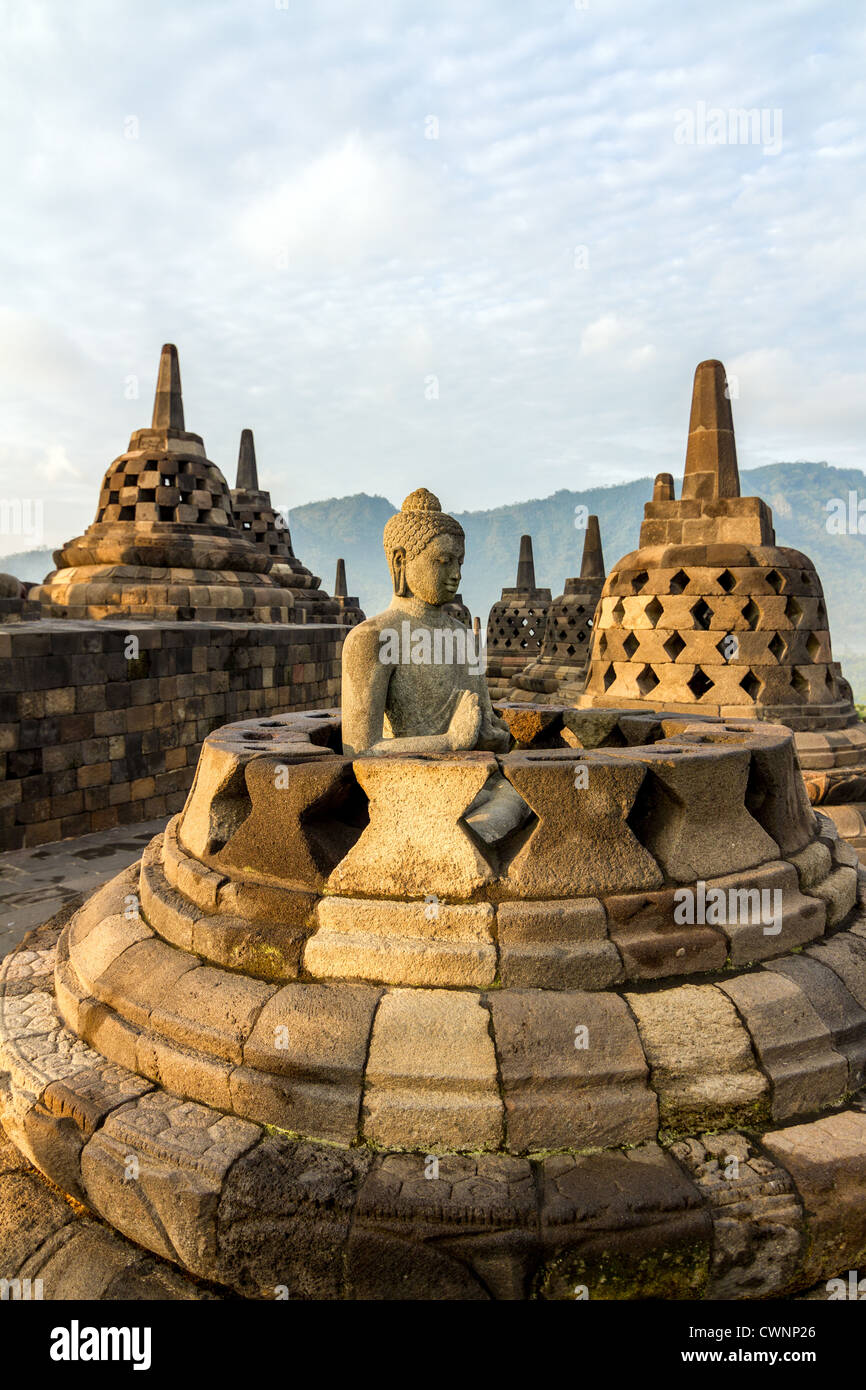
x: 798, y: 494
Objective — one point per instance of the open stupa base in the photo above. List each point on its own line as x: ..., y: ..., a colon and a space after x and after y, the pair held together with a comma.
x: 322, y: 1042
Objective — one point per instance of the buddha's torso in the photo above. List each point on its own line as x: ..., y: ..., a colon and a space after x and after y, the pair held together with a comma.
x: 435, y: 658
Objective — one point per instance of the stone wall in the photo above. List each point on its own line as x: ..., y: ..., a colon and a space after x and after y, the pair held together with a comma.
x: 91, y: 737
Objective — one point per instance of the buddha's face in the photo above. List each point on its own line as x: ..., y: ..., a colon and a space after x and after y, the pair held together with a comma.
x: 434, y: 575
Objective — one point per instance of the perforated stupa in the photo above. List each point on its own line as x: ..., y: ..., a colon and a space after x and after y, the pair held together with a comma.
x: 164, y: 543
x: 710, y: 615
x: 559, y: 673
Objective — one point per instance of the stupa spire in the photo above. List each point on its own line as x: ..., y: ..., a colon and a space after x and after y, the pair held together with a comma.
x: 168, y: 401
x: 711, y: 454
x: 340, y: 590
x: 592, y: 564
x: 525, y: 565
x: 248, y: 475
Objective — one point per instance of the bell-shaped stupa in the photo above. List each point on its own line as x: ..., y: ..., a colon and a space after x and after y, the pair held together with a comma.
x: 559, y: 672
x: 516, y: 625
x: 710, y: 616
x: 268, y: 529
x: 164, y: 544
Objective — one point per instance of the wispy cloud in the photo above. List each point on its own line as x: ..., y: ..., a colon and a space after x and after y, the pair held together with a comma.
x: 459, y: 246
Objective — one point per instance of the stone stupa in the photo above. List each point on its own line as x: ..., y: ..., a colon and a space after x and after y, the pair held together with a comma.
x: 559, y: 673
x: 164, y: 544
x: 516, y: 625
x: 711, y: 616
x: 269, y: 531
x: 13, y: 599
x: 341, y: 1036
x: 351, y: 612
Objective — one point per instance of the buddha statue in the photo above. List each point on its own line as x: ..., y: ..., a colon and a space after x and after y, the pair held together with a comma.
x: 413, y: 676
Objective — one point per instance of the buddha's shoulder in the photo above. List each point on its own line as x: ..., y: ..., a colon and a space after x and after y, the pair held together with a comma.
x: 368, y: 634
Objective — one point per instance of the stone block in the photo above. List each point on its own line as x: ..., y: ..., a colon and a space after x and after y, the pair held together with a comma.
x: 559, y: 944
x: 835, y: 1006
x: 414, y: 943
x: 155, y: 1170
x: 653, y: 945
x: 702, y: 1067
x: 596, y: 1235
x: 431, y: 1079
x: 758, y: 902
x: 693, y: 816
x: 573, y: 1071
x: 583, y: 844
x: 757, y: 1221
x: 322, y: 1092
x: 416, y: 844
x: 827, y: 1161
x: 792, y: 1044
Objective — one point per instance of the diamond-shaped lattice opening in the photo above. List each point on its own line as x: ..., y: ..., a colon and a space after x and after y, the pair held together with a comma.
x: 799, y: 682
x: 654, y: 611
x: 674, y: 646
x: 751, y: 685
x: 777, y: 646
x: 752, y: 613
x: 630, y: 645
x: 813, y: 646
x: 638, y: 581
x: 830, y: 680
x: 570, y: 650
x: 609, y: 677
x: 806, y: 579
x: 602, y: 644
x: 793, y: 610
x: 775, y: 581
x: 699, y: 683
x: 727, y: 581
x: 647, y: 681
x: 702, y: 613
x: 618, y: 612
x: 822, y: 612
x: 679, y: 582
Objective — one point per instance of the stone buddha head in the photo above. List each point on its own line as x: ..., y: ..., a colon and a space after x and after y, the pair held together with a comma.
x: 424, y: 547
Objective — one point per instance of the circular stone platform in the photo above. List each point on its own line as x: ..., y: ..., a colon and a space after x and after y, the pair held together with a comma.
x: 325, y: 1042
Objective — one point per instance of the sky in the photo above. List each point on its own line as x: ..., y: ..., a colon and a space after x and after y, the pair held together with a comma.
x: 478, y: 245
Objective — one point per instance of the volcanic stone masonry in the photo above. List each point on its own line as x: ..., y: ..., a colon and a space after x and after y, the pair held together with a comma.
x: 709, y: 615
x: 332, y: 1038
x: 559, y: 672
x: 161, y: 623
x: 516, y: 625
x: 164, y: 543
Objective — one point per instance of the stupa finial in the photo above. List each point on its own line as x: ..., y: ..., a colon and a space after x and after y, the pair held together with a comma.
x: 711, y: 454
x: 525, y: 565
x: 168, y: 401
x: 248, y: 476
x: 592, y: 564
x: 340, y: 590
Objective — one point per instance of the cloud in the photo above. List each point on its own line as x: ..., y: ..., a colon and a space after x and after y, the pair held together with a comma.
x: 348, y: 205
x: 284, y: 217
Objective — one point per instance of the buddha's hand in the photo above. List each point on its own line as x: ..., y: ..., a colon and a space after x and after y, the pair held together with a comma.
x: 465, y: 722
x: 495, y: 736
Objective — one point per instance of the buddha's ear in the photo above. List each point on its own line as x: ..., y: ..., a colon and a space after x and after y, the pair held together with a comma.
x: 397, y: 563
